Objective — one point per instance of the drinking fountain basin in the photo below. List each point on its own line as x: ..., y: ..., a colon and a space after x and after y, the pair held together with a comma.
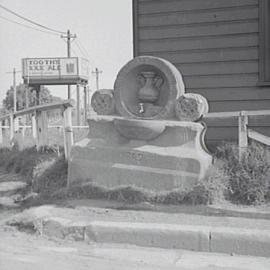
x: 139, y: 129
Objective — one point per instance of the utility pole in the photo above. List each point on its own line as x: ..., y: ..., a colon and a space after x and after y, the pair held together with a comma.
x: 69, y: 36
x: 14, y: 91
x: 14, y: 72
x: 97, y: 72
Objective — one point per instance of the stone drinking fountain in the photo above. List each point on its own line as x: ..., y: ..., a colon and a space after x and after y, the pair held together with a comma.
x: 145, y: 133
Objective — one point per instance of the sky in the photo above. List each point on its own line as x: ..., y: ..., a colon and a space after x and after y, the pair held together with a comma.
x: 103, y: 29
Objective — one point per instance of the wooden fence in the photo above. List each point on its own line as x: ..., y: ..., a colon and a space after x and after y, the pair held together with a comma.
x: 244, y: 132
x: 39, y: 123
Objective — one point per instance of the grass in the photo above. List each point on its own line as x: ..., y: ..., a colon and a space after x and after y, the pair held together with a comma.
x: 124, y: 194
x: 247, y: 178
x: 244, y: 180
x: 53, y: 178
x: 28, y: 162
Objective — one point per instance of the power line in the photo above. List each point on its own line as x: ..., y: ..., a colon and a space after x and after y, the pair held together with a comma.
x: 79, y: 43
x: 84, y: 55
x: 72, y: 49
x: 27, y: 26
x: 84, y: 52
x: 30, y: 21
x: 80, y: 49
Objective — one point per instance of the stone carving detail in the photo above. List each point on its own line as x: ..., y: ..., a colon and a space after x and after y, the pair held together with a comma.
x: 103, y: 102
x: 146, y: 88
x: 148, y: 94
x: 191, y: 107
x: 150, y: 84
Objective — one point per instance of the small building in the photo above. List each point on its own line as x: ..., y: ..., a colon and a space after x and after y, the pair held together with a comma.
x: 220, y: 46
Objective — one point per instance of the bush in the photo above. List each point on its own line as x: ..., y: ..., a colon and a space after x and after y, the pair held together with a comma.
x: 25, y: 162
x: 132, y: 194
x: 53, y: 178
x: 214, y: 186
x: 248, y: 177
x: 244, y: 180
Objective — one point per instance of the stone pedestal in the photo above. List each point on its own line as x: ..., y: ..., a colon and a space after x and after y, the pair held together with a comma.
x: 173, y: 159
x: 137, y: 137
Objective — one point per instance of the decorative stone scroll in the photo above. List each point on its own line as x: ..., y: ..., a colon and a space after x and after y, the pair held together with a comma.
x: 103, y: 102
x: 191, y: 107
x: 147, y: 87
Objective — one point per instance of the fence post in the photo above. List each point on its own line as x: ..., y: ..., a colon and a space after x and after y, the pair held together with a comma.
x: 85, y: 104
x: 34, y: 127
x: 11, y: 128
x: 78, y: 106
x: 23, y: 133
x: 1, y: 133
x: 242, y: 133
x: 68, y: 131
x: 42, y: 128
x: 16, y: 124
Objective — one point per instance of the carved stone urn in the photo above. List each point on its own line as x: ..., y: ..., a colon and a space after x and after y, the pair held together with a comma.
x: 149, y: 92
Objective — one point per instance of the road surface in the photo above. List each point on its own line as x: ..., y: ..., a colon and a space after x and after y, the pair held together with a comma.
x: 19, y: 250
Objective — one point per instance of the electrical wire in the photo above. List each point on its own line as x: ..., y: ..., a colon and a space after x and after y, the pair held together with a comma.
x: 82, y: 48
x: 84, y: 52
x: 31, y: 21
x: 27, y: 26
x: 74, y: 52
x: 79, y: 43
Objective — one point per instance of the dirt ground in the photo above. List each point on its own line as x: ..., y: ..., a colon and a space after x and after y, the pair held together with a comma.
x: 28, y: 252
x: 25, y: 251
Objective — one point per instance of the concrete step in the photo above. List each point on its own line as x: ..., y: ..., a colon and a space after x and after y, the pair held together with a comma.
x: 67, y: 224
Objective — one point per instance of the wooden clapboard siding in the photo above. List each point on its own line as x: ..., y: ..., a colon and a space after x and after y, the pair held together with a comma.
x: 210, y: 55
x: 157, y: 6
x: 215, y: 81
x: 177, y: 18
x: 217, y: 134
x: 221, y: 106
x: 206, y: 42
x: 218, y: 68
x: 197, y: 30
x: 236, y: 93
x: 258, y: 121
x: 215, y: 45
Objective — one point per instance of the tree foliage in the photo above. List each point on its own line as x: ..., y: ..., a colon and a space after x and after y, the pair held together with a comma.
x: 22, y: 93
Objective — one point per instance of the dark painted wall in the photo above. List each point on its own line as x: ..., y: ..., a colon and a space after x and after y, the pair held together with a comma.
x: 215, y: 45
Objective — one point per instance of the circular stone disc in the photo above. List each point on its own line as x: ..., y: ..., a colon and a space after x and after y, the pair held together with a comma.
x: 191, y: 107
x: 126, y: 88
x: 102, y: 102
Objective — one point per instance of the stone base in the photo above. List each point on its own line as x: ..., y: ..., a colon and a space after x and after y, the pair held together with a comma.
x: 175, y: 158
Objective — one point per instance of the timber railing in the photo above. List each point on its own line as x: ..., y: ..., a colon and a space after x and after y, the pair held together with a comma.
x: 39, y: 123
x: 244, y: 132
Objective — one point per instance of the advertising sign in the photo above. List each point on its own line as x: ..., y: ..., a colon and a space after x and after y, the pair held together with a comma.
x: 72, y: 70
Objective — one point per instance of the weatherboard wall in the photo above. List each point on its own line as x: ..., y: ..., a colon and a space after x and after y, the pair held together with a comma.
x: 215, y: 45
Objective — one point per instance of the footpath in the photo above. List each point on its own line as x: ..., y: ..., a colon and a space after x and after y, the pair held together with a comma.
x: 98, y: 223
x: 218, y: 234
